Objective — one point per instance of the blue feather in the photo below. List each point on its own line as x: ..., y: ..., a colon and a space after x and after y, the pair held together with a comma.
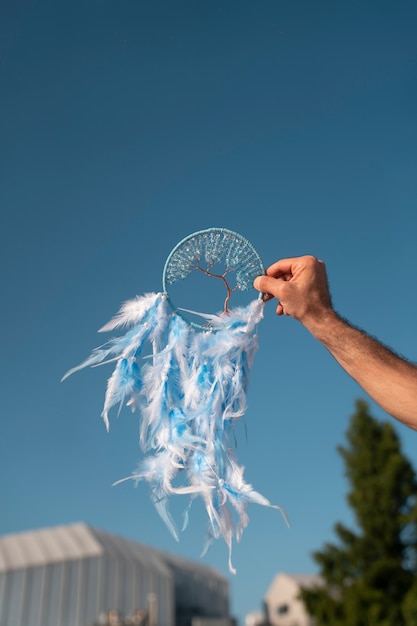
x: 191, y: 390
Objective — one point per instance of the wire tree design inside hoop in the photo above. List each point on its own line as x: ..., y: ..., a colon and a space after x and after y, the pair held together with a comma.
x: 216, y: 253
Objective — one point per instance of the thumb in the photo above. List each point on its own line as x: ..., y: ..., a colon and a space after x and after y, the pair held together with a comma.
x: 267, y: 285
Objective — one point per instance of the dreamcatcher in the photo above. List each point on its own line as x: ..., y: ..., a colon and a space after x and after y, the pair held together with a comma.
x: 191, y: 388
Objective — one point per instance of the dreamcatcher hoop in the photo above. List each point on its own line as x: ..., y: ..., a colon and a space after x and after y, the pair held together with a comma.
x: 212, y: 246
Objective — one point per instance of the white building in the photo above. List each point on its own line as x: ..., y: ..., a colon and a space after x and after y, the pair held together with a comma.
x: 282, y: 603
x: 256, y: 618
x: 76, y: 575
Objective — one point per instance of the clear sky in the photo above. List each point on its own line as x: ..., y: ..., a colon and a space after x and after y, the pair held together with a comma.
x: 125, y: 126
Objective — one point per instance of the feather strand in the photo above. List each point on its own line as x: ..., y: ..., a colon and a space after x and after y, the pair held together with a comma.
x: 190, y: 390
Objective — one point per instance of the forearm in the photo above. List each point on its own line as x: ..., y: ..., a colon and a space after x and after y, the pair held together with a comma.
x: 301, y: 288
x: 390, y: 380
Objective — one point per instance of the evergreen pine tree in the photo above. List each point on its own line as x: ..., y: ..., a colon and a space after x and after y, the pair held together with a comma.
x: 369, y: 577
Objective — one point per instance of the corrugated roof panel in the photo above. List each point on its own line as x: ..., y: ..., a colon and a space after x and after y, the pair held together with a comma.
x: 48, y: 545
x: 175, y: 560
x: 75, y: 541
x: 11, y: 552
x: 81, y: 539
x: 131, y: 550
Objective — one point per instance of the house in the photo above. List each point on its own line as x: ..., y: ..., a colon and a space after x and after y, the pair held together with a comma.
x: 283, y: 605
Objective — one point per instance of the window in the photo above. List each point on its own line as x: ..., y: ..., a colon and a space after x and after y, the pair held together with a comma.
x: 283, y: 609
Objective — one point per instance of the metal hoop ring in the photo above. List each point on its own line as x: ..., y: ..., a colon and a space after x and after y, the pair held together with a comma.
x: 228, y: 233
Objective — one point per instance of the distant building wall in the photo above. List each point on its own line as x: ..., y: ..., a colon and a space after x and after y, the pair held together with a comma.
x: 207, y: 621
x: 200, y: 592
x: 256, y: 618
x: 282, y: 602
x: 73, y: 593
x: 70, y: 575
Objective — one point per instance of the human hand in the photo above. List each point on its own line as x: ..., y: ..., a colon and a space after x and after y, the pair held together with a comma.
x: 301, y: 286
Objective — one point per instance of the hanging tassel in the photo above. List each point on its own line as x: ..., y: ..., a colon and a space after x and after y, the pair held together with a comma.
x: 148, y: 315
x: 191, y: 391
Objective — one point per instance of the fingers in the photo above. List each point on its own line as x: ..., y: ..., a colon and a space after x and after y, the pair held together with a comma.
x: 280, y: 309
x: 267, y: 285
x: 283, y: 267
x: 299, y: 284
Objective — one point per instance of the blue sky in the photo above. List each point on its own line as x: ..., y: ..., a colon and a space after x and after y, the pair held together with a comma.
x: 127, y: 125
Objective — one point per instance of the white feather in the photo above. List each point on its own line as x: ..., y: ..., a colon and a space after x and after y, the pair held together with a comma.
x: 191, y: 390
x: 131, y: 312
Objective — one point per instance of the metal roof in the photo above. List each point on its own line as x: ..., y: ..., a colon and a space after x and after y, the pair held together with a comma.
x: 73, y: 542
